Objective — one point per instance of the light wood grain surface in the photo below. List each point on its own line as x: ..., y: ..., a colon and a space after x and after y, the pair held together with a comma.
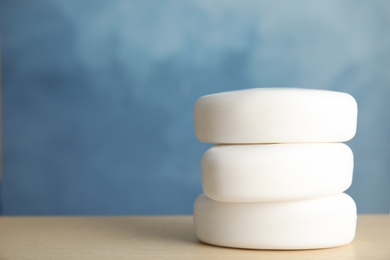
x: 167, y: 237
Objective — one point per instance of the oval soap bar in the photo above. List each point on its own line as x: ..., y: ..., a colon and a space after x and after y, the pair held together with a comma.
x: 304, y: 224
x: 275, y: 115
x: 276, y: 172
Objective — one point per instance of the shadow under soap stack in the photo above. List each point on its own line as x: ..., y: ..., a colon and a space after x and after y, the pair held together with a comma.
x: 276, y: 176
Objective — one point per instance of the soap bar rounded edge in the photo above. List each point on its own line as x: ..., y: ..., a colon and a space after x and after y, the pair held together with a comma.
x: 215, y: 117
x: 276, y: 172
x: 311, y: 224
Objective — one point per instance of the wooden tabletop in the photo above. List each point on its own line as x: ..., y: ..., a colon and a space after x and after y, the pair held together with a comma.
x: 159, y: 237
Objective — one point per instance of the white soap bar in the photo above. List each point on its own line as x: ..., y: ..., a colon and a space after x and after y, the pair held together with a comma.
x: 275, y: 115
x: 305, y: 224
x: 276, y: 172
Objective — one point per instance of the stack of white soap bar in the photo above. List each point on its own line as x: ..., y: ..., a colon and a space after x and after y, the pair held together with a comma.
x: 275, y: 179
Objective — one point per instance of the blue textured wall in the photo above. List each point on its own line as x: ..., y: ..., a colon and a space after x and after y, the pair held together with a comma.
x: 98, y: 95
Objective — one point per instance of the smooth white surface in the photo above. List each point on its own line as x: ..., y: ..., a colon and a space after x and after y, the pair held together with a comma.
x: 318, y: 223
x: 276, y: 172
x: 275, y: 115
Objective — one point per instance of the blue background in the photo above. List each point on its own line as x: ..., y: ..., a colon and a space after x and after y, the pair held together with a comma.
x: 98, y: 95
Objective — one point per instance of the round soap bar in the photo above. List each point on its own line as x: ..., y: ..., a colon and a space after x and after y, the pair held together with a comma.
x: 304, y: 224
x: 275, y: 115
x: 276, y: 172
